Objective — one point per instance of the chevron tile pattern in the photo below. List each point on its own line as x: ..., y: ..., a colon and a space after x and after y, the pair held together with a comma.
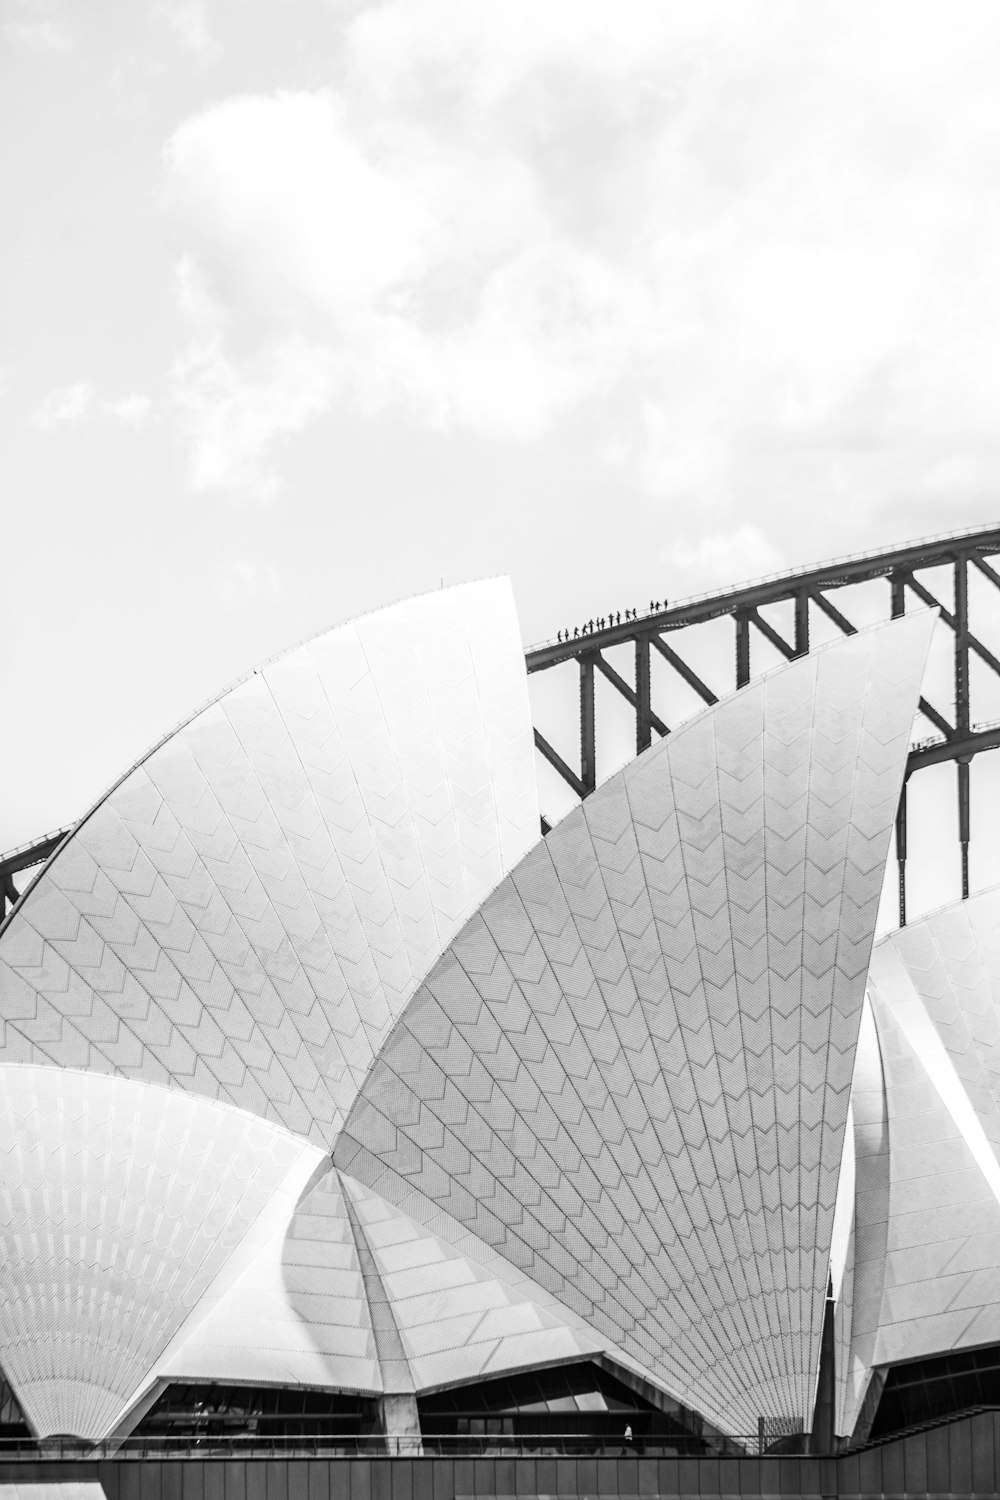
x: 606, y: 1115
x: 928, y: 1200
x: 630, y: 1072
x: 119, y: 1205
x: 245, y: 915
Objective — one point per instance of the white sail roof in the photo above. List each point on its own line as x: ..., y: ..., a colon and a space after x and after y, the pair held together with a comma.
x: 603, y: 1118
x: 121, y: 1202
x: 927, y: 1100
x: 630, y: 1072
x: 248, y: 911
x: 351, y: 1294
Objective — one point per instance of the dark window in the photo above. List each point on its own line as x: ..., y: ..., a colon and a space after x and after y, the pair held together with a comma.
x: 927, y: 1389
x: 202, y: 1412
x: 577, y: 1402
x: 14, y: 1431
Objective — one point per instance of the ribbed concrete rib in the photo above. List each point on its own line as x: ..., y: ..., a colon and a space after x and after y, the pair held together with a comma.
x: 393, y: 1363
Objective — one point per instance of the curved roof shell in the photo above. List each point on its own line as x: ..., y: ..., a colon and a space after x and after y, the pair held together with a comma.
x: 604, y: 1117
x: 121, y: 1204
x: 925, y: 1257
x: 249, y: 910
x: 352, y: 1294
x: 630, y: 1072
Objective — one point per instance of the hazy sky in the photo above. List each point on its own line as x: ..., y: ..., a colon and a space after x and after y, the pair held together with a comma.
x: 307, y: 305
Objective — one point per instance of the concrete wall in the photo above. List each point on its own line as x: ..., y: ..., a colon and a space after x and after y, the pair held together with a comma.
x: 961, y: 1458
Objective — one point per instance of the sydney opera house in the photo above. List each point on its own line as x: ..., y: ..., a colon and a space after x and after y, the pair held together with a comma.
x: 340, y: 1105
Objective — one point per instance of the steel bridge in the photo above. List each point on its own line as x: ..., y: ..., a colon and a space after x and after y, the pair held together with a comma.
x: 958, y: 733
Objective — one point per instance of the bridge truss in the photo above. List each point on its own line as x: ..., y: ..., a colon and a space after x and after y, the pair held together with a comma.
x: 957, y: 732
x: 19, y: 861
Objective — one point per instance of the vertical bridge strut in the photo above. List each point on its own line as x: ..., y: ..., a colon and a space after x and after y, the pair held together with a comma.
x: 957, y: 735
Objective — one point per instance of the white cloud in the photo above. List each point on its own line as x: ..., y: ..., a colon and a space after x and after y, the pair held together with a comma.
x: 34, y: 23
x: 131, y: 409
x: 242, y: 581
x: 202, y: 312
x: 722, y: 559
x: 66, y: 407
x: 188, y: 20
x: 754, y: 245
x: 234, y: 413
x: 292, y: 211
x: 72, y: 405
x: 430, y: 280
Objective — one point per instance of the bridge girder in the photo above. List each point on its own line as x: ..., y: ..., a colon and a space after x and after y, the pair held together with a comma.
x: 958, y: 738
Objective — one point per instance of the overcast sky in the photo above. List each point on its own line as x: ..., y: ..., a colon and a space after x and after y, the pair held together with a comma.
x: 309, y: 304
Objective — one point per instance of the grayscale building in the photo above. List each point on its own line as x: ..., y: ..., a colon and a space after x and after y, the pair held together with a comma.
x: 340, y: 1105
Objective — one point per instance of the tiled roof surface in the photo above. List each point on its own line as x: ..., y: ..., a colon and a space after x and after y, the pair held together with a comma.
x: 249, y: 910
x: 630, y: 1072
x: 927, y: 1233
x: 606, y: 1115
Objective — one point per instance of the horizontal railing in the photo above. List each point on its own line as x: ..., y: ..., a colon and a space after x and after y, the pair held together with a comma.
x: 981, y: 726
x: 470, y: 1445
x: 989, y: 537
x: 326, y: 1445
x: 930, y: 1425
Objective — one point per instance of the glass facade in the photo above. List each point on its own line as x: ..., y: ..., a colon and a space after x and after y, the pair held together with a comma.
x: 13, y: 1428
x: 926, y: 1390
x: 195, y: 1413
x: 572, y: 1403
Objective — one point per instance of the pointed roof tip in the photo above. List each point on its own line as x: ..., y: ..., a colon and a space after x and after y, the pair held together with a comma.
x: 928, y: 1112
x: 915, y: 628
x: 332, y: 914
x: 691, y: 813
x: 908, y: 627
x: 428, y: 598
